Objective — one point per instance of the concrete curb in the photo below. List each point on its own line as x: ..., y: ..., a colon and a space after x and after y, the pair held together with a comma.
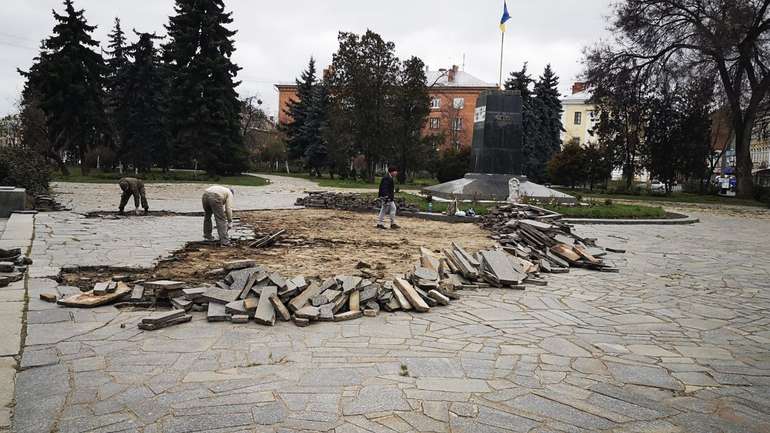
x: 663, y: 221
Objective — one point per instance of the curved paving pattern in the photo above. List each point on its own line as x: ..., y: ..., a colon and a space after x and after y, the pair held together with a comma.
x: 676, y: 342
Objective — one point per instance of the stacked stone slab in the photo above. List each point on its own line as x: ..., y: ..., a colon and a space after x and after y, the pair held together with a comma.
x: 349, y: 201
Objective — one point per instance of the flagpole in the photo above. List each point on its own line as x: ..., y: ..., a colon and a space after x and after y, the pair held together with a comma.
x: 502, y: 44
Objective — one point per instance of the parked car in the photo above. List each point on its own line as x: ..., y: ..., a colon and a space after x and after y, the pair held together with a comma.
x: 657, y: 186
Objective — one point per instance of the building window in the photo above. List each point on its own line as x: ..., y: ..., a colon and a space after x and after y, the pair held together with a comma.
x: 458, y: 103
x: 435, y: 123
x: 435, y: 103
x: 457, y: 124
x: 578, y: 117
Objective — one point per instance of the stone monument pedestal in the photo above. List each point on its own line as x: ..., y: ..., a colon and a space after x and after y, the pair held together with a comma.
x: 494, y: 187
x: 12, y: 199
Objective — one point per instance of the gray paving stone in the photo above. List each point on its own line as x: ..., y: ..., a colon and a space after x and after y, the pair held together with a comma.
x: 375, y: 398
x: 644, y: 375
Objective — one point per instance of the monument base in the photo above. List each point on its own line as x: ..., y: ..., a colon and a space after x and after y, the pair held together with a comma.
x: 494, y: 187
x: 11, y: 199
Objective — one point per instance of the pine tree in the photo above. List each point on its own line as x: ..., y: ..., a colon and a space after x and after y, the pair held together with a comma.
x: 115, y: 85
x: 68, y: 77
x: 145, y: 132
x: 204, y: 111
x: 297, y: 109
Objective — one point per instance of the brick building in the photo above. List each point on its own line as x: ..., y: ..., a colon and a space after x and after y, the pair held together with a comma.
x: 453, y: 95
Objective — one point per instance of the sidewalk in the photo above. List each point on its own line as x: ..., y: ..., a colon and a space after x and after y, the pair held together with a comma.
x: 16, y: 232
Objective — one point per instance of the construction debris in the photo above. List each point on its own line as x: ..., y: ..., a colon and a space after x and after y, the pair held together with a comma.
x: 350, y: 201
x: 536, y: 237
x: 13, y: 265
x: 91, y: 299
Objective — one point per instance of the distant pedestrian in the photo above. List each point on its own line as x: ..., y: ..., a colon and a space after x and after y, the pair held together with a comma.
x: 387, y: 199
x: 132, y: 186
x: 218, y: 201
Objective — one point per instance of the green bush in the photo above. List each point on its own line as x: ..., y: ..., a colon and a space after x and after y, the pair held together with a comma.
x: 762, y: 193
x: 24, y: 168
x: 453, y: 164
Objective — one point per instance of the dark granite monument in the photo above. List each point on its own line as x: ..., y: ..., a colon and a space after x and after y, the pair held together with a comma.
x: 497, y: 156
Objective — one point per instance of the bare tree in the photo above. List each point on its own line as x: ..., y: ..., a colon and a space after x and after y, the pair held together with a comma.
x: 726, y: 36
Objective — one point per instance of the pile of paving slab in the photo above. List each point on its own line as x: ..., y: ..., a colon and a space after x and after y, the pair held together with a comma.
x: 350, y: 201
x: 13, y: 265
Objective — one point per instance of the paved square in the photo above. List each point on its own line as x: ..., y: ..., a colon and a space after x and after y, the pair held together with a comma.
x: 678, y: 341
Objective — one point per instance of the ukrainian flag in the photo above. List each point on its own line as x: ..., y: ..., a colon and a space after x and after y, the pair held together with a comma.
x: 505, y: 17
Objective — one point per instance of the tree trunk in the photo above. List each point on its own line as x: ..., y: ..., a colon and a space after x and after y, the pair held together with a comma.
x: 744, y: 182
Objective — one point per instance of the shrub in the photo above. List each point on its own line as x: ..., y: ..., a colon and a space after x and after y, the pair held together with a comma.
x: 453, y: 164
x: 24, y: 168
x: 762, y: 194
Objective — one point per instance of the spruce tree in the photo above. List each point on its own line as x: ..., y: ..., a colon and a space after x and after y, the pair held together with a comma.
x: 296, y: 138
x: 204, y: 111
x: 145, y: 133
x: 547, y: 91
x: 68, y: 78
x: 533, y: 141
x: 316, y: 152
x: 115, y: 85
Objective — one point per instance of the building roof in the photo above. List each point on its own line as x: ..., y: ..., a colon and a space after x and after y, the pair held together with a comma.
x: 462, y: 79
x: 579, y: 98
x: 440, y: 78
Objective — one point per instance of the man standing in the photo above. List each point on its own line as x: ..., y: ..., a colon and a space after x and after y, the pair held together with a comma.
x: 387, y: 193
x: 218, y: 201
x: 132, y: 186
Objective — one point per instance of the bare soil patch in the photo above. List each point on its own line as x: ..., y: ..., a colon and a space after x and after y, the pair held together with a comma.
x: 318, y: 242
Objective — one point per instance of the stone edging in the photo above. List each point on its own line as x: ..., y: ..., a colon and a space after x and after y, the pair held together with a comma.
x: 684, y: 219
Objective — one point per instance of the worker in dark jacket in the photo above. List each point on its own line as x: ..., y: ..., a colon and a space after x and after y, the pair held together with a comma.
x: 387, y: 199
x: 132, y: 186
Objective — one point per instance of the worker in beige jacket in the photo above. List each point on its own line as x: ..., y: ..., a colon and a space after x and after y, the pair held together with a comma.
x: 131, y: 186
x: 218, y: 201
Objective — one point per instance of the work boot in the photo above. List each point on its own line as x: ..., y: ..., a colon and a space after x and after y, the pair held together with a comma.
x: 120, y: 212
x: 395, y: 226
x: 382, y: 227
x: 208, y: 238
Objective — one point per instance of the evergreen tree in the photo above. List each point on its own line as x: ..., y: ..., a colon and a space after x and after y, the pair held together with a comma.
x: 410, y: 111
x: 145, y: 132
x: 534, y: 142
x: 297, y: 109
x: 316, y: 152
x: 547, y: 91
x: 115, y: 85
x: 204, y: 111
x: 67, y: 80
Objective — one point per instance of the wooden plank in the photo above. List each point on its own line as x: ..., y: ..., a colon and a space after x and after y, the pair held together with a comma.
x: 90, y: 300
x: 411, y: 294
x: 584, y: 254
x: 280, y: 309
x: 300, y: 300
x: 265, y: 313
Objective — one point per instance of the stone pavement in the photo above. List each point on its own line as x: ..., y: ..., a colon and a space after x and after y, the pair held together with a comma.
x: 15, y: 232
x: 676, y: 342
x: 281, y: 193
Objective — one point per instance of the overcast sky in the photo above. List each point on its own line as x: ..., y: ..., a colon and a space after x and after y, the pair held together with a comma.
x: 276, y: 38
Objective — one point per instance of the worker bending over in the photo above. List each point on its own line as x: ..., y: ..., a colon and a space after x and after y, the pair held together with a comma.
x: 132, y: 186
x: 218, y: 201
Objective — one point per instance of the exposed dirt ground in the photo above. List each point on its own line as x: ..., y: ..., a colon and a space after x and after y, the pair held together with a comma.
x: 317, y: 242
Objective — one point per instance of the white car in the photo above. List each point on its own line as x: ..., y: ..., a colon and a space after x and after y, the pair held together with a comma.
x: 657, y: 186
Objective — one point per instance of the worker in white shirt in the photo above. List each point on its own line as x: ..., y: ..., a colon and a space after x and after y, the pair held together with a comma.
x: 218, y: 201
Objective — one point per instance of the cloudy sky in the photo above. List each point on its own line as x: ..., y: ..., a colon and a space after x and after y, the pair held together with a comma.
x: 276, y: 38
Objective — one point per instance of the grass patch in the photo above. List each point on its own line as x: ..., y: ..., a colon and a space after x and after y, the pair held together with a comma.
x: 357, y: 183
x: 677, y: 197
x: 158, y: 176
x: 609, y: 211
